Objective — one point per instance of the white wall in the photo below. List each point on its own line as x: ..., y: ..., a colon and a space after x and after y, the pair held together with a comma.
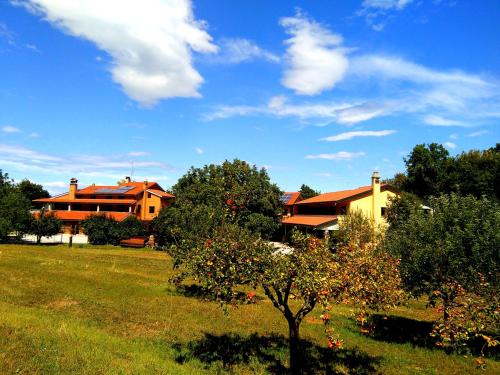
x: 58, y: 238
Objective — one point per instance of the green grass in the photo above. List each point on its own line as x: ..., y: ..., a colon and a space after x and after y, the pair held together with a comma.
x: 112, y: 311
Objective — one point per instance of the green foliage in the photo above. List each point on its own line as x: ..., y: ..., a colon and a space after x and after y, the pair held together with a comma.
x: 402, y: 207
x: 430, y: 170
x: 45, y: 225
x: 31, y: 190
x: 14, y: 213
x: 307, y: 192
x: 454, y: 247
x: 101, y: 229
x: 209, y: 196
x: 130, y: 227
x: 425, y: 167
x: 354, y: 228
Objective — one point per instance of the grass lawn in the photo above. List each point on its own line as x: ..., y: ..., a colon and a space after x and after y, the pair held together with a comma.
x: 112, y: 311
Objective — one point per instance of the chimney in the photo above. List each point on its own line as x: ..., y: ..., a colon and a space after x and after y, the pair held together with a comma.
x: 376, y: 205
x: 145, y: 184
x: 127, y: 179
x: 73, y: 188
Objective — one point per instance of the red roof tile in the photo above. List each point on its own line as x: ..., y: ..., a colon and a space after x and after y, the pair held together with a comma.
x: 82, y: 215
x: 84, y: 200
x: 309, y: 220
x: 337, y: 196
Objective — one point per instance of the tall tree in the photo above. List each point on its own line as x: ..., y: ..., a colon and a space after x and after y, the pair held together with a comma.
x: 425, y: 168
x: 32, y: 190
x: 307, y: 192
x: 15, y: 213
x: 206, y: 196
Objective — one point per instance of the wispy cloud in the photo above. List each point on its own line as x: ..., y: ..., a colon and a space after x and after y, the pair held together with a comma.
x: 377, y: 12
x: 478, y: 133
x: 27, y: 160
x: 450, y: 145
x: 441, y: 121
x: 199, y: 150
x: 239, y: 50
x: 139, y: 153
x: 316, y: 60
x: 10, y: 129
x: 361, y: 133
x: 341, y: 155
x: 150, y: 46
x: 324, y: 174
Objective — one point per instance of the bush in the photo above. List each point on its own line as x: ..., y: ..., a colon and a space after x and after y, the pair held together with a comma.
x: 101, y: 229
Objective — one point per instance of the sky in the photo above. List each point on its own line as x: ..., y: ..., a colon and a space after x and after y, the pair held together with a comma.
x: 317, y: 92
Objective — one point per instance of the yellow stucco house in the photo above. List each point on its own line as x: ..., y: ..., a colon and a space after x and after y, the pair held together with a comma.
x: 323, y: 212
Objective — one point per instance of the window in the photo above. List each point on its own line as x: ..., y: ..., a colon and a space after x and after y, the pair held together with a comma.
x: 383, y: 211
x: 151, y: 209
x: 343, y: 210
x: 149, y: 196
x: 139, y: 209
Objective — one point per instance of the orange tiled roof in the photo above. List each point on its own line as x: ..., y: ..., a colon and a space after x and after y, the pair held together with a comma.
x: 309, y: 220
x: 84, y: 200
x: 160, y: 193
x: 82, y: 215
x: 340, y: 195
x: 294, y: 195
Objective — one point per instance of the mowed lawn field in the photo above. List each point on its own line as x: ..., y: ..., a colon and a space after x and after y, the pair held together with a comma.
x: 108, y: 310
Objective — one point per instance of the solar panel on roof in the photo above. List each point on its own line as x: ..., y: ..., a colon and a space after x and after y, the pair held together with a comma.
x: 285, y: 198
x: 119, y: 190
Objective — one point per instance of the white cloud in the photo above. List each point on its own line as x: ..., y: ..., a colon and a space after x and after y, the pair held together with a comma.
x: 34, y: 135
x: 139, y: 153
x: 10, y: 129
x: 315, y: 56
x: 238, y: 50
x: 199, y: 150
x: 454, y: 136
x: 341, y: 112
x: 361, y: 133
x: 324, y: 174
x: 341, y: 155
x: 55, y: 184
x: 377, y: 12
x: 26, y: 160
x: 150, y: 45
x: 450, y: 145
x: 386, y: 4
x: 478, y: 133
x: 441, y: 121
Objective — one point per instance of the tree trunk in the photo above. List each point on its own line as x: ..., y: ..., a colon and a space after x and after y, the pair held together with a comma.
x: 38, y: 240
x: 296, y: 358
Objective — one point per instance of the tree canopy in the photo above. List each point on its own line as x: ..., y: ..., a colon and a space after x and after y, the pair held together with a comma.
x: 307, y: 191
x: 205, y: 196
x: 430, y: 170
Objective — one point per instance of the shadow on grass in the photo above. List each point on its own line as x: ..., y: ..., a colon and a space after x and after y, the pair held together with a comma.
x: 230, y: 350
x: 196, y: 291
x: 397, y: 329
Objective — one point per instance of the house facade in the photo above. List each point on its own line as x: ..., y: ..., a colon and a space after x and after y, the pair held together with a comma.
x: 323, y: 212
x: 143, y: 200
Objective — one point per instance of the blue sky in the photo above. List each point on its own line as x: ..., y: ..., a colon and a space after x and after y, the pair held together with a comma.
x: 319, y: 92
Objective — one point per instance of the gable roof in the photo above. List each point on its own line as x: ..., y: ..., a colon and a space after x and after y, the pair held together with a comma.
x: 343, y: 195
x: 135, y: 188
x: 160, y: 193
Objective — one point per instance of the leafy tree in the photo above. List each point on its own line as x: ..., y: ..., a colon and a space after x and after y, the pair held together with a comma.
x: 205, y: 196
x: 399, y: 181
x: 14, y: 213
x: 101, y: 229
x: 402, y: 207
x: 449, y: 253
x: 32, y: 190
x: 5, y: 183
x: 130, y: 227
x: 307, y: 192
x: 425, y: 168
x: 295, y: 282
x: 44, y: 225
